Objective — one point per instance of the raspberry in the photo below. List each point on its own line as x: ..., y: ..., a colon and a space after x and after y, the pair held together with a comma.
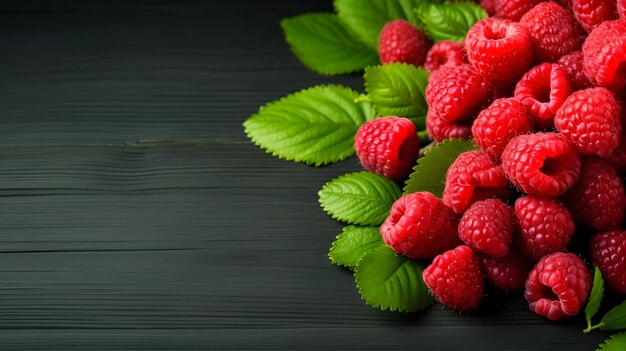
x: 591, y: 120
x: 545, y: 226
x: 420, y: 226
x: 500, y: 50
x: 457, y: 93
x: 590, y: 13
x: 444, y: 54
x: 489, y: 6
x: 542, y: 164
x: 455, y: 279
x: 400, y: 41
x: 597, y: 198
x: 487, y: 227
x: 573, y: 65
x: 553, y: 30
x: 513, y: 9
x: 507, y: 272
x: 388, y: 146
x: 439, y: 129
x: 558, y: 286
x: 473, y: 177
x: 604, y: 53
x: 608, y: 251
x: 617, y: 159
x: 621, y: 8
x: 543, y: 89
x: 496, y: 125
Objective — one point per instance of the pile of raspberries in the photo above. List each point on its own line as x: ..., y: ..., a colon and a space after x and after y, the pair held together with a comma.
x: 539, y: 87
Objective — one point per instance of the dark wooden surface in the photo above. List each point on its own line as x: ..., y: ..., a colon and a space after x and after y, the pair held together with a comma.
x: 135, y: 214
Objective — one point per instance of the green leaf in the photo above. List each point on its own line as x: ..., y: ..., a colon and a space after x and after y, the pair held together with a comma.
x: 430, y: 172
x: 316, y: 126
x: 353, y: 243
x: 398, y: 89
x: 359, y: 198
x: 617, y: 342
x: 365, y: 18
x: 324, y: 45
x: 391, y: 282
x: 595, y: 298
x: 615, y: 319
x: 449, y: 21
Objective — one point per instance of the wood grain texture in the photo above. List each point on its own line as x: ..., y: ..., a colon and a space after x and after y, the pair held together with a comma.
x: 136, y: 216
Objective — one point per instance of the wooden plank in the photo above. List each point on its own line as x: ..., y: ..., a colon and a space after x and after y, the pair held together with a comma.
x: 201, y: 245
x: 109, y: 75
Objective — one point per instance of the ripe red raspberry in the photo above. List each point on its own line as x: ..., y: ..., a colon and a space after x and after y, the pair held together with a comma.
x: 573, y: 65
x: 400, y: 41
x: 545, y: 226
x: 500, y: 50
x: 542, y: 164
x: 513, y: 9
x: 439, y: 129
x: 489, y: 6
x: 604, y: 53
x: 388, y: 146
x: 420, y: 226
x: 591, y: 120
x: 608, y: 251
x: 487, y: 227
x: 590, y: 13
x: 507, y: 272
x: 457, y: 93
x: 455, y: 279
x: 444, y: 54
x: 621, y: 8
x: 617, y: 160
x: 543, y: 89
x: 473, y: 177
x: 597, y: 198
x: 553, y: 30
x: 496, y: 125
x: 558, y: 286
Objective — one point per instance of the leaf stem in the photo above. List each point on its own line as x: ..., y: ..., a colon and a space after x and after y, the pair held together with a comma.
x: 590, y: 327
x: 362, y: 98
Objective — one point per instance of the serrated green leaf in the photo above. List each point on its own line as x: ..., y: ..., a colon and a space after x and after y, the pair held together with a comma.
x: 615, y: 319
x: 324, y: 45
x: 365, y: 18
x: 316, y: 126
x: 430, y: 172
x: 616, y: 342
x: 398, y: 89
x: 595, y: 298
x: 449, y: 21
x: 353, y: 243
x: 359, y: 198
x: 391, y: 282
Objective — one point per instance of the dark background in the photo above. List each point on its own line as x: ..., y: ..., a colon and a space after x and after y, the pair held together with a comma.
x: 136, y: 215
